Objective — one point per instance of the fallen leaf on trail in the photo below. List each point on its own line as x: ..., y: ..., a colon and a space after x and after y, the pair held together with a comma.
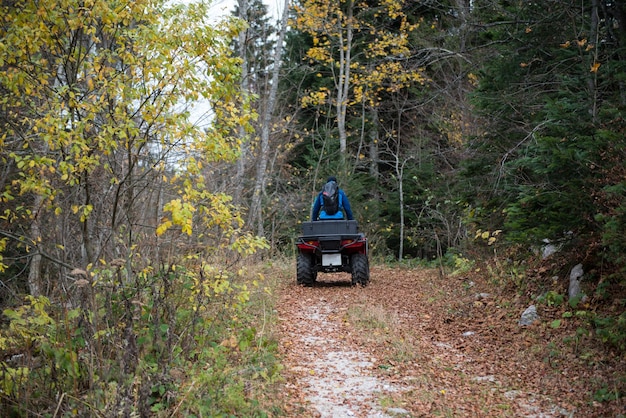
x: 408, y: 325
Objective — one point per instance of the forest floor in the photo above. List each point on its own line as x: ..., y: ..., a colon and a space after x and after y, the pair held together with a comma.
x: 415, y: 343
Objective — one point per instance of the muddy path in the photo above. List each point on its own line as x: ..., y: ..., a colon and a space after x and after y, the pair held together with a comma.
x: 415, y: 344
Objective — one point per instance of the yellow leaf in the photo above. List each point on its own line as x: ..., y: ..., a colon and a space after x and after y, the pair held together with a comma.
x: 163, y: 227
x: 594, y: 67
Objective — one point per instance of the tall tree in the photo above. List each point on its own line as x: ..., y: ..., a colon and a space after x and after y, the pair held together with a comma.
x: 101, y: 155
x: 401, y: 54
x: 554, y: 94
x: 331, y: 26
x: 269, y: 107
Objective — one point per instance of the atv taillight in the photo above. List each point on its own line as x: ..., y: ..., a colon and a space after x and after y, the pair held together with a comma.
x: 308, y: 245
x: 352, y: 246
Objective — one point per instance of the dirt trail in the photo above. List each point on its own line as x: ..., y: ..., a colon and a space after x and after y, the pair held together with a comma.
x: 412, y: 344
x: 337, y: 378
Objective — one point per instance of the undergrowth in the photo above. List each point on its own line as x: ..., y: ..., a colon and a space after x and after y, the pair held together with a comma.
x: 181, y: 340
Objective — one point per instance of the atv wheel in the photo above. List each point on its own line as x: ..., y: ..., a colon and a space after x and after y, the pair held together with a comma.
x: 360, y: 269
x: 306, y: 273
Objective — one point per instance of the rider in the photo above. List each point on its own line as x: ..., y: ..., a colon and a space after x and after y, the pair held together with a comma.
x: 344, y: 205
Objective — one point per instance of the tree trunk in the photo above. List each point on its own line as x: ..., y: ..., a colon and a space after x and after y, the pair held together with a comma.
x: 400, y: 174
x: 34, y: 271
x: 463, y: 13
x: 592, y: 81
x: 343, y: 82
x: 241, y: 162
x: 256, y: 214
x: 374, y: 145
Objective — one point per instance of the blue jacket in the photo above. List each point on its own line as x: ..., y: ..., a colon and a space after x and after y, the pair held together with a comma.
x: 344, y: 205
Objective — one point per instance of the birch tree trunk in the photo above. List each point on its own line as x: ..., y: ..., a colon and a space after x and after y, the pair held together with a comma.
x: 256, y: 213
x: 343, y: 81
x: 241, y: 162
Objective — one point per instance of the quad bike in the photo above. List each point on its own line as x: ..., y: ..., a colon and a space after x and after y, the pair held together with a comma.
x: 332, y: 246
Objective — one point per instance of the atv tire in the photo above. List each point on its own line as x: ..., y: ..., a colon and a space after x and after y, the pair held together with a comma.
x: 305, y: 270
x: 360, y: 269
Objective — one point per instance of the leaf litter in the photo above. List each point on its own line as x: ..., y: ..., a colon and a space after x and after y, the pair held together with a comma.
x: 337, y: 378
x: 417, y: 344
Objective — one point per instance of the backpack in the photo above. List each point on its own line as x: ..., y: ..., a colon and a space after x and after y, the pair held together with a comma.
x: 330, y: 196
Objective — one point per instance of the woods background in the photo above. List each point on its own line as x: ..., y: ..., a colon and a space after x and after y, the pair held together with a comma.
x: 459, y: 129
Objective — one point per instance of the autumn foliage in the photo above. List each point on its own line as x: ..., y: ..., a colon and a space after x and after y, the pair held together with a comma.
x: 106, y: 206
x: 461, y: 131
